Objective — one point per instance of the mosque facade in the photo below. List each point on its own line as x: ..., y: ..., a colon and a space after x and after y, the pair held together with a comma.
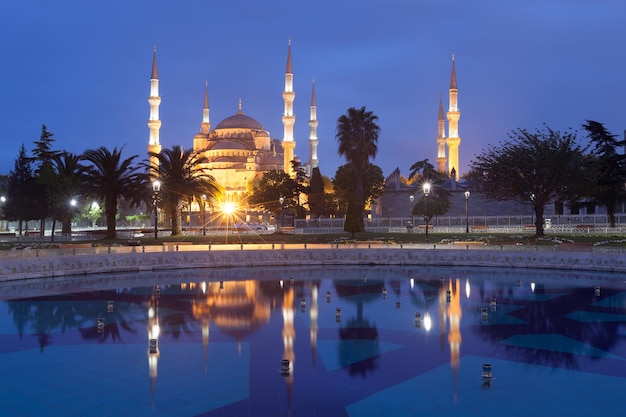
x: 239, y: 149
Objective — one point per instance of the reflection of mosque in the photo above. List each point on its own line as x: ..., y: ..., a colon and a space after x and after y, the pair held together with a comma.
x: 238, y: 309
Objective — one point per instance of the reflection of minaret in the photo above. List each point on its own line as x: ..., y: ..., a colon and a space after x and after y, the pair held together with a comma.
x: 453, y: 140
x: 313, y: 314
x: 154, y: 123
x: 454, y: 337
x: 313, y: 161
x: 289, y: 119
x: 153, y: 337
x: 441, y: 140
x: 289, y: 335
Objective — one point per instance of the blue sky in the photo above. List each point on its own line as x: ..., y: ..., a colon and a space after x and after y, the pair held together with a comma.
x: 83, y: 69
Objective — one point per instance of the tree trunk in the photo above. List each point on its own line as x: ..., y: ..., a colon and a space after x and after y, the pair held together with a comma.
x: 54, y: 223
x: 538, y: 220
x: 176, y: 220
x: 111, y: 213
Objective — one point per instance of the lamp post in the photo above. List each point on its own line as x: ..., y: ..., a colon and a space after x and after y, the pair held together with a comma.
x: 426, y: 194
x: 3, y: 200
x: 467, y: 194
x: 411, y: 198
x: 203, y: 215
x: 156, y: 188
x: 532, y: 208
x: 281, y: 200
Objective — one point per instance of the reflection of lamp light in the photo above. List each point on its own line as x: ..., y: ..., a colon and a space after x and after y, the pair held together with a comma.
x: 384, y: 293
x: 418, y: 320
x: 428, y: 323
x: 338, y: 314
x: 100, y: 325
x: 110, y: 306
x: 467, y: 288
x: 596, y: 291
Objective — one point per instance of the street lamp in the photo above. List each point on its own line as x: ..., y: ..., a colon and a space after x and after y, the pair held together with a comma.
x: 281, y: 200
x: 532, y: 208
x: 426, y: 194
x: 467, y: 194
x: 411, y: 198
x: 156, y: 188
x: 203, y: 215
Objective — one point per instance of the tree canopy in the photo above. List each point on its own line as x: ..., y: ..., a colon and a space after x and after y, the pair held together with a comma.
x: 608, y: 168
x: 357, y: 136
x: 532, y: 167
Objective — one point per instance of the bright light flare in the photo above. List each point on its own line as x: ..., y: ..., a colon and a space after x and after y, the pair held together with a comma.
x: 229, y: 208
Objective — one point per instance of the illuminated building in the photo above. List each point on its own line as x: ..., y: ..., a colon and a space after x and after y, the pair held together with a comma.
x: 239, y: 148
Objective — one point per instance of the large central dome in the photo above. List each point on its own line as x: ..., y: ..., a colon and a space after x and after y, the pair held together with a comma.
x: 239, y: 121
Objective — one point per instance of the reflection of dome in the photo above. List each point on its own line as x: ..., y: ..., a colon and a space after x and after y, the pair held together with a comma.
x: 239, y: 121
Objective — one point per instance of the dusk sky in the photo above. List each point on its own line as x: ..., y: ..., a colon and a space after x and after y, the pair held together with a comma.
x: 83, y: 68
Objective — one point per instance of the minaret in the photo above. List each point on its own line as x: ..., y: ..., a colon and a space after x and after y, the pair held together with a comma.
x: 313, y: 161
x: 206, y: 123
x: 289, y: 119
x: 200, y: 140
x: 453, y: 140
x: 154, y: 124
x: 441, y: 140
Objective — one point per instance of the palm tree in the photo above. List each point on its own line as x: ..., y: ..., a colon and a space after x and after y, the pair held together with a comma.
x: 183, y: 178
x: 110, y: 178
x: 67, y: 185
x: 357, y: 134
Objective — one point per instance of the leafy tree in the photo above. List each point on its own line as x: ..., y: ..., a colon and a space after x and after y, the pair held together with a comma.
x: 438, y: 200
x: 373, y: 186
x: 267, y: 191
x: 541, y: 166
x: 608, y: 166
x: 357, y: 135
x: 22, y: 190
x: 109, y: 178
x: 183, y: 178
x: 301, y: 180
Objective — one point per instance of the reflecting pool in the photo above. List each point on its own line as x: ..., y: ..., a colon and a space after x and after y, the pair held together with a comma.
x: 327, y: 341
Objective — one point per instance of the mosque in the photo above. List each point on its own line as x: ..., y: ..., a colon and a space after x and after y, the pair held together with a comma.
x: 239, y: 148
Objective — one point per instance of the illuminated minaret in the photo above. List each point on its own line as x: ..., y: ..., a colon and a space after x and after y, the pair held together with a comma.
x: 206, y: 124
x: 289, y: 119
x: 199, y: 141
x: 313, y: 161
x: 154, y: 123
x: 453, y: 140
x: 441, y: 140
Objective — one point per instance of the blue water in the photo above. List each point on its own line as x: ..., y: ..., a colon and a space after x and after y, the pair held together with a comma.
x: 556, y: 342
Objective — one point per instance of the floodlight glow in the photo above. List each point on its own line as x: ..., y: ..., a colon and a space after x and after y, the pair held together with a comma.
x: 229, y: 208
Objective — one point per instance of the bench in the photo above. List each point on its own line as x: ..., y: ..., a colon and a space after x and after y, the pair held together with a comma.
x: 467, y: 244
x: 479, y: 228
x: 134, y: 242
x: 75, y: 245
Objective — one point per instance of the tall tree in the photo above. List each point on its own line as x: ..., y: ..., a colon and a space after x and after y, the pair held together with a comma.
x: 43, y: 156
x: 373, y: 186
x: 23, y: 190
x: 608, y: 166
x: 109, y: 178
x: 183, y: 178
x: 357, y: 135
x: 537, y: 167
x: 316, y: 195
